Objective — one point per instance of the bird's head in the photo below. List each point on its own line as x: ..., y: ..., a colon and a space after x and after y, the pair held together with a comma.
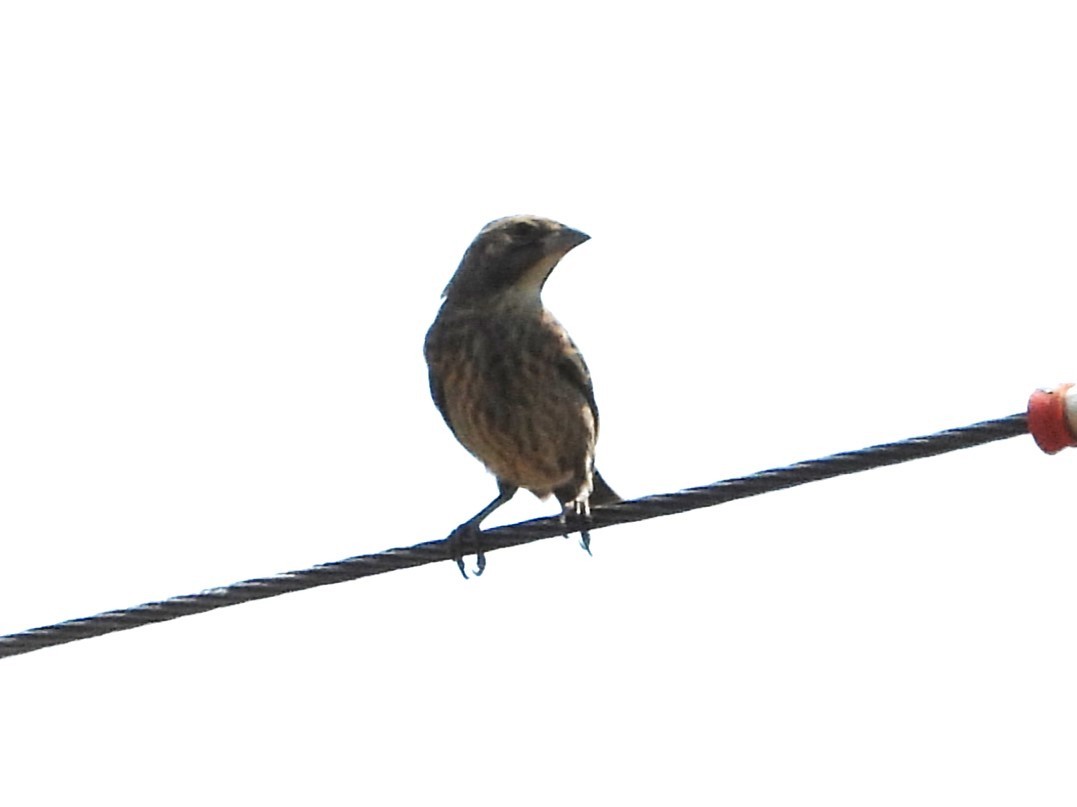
x: 513, y: 255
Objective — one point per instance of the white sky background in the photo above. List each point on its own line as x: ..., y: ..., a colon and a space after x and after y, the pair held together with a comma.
x: 815, y: 227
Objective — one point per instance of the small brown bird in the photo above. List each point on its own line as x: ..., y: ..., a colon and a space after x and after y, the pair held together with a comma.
x: 509, y: 380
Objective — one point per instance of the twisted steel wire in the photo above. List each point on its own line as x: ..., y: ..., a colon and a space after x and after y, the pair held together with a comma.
x: 501, y: 537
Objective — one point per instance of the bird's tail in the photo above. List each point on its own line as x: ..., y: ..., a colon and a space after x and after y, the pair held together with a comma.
x: 602, y: 493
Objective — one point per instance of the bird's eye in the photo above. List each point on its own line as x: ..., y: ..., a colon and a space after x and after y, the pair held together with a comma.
x: 523, y: 229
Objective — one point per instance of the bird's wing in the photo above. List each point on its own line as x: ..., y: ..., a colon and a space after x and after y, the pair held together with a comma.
x: 574, y: 368
x: 438, y: 394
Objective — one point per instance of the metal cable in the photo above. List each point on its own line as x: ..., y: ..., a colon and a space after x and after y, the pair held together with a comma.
x: 501, y: 537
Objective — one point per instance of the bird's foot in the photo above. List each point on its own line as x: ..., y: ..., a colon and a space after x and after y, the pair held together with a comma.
x: 464, y: 537
x: 581, y: 517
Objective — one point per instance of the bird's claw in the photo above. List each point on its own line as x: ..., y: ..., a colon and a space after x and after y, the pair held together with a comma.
x: 581, y: 515
x: 467, y: 533
x: 585, y: 541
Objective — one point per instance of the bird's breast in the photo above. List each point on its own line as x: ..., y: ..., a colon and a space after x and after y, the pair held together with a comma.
x: 507, y: 397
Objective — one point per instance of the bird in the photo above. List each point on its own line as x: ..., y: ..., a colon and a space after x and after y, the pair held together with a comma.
x: 508, y: 379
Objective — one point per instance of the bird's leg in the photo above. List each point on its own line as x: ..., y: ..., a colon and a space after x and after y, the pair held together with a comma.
x: 581, y: 514
x: 469, y: 534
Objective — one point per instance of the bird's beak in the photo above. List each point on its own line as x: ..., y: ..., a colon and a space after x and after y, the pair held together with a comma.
x: 566, y: 238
